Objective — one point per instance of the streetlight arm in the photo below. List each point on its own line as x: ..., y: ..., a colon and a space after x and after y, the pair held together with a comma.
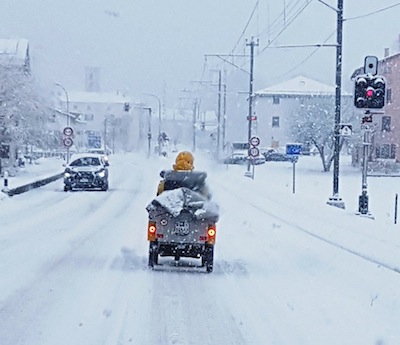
x: 159, y: 109
x: 66, y: 96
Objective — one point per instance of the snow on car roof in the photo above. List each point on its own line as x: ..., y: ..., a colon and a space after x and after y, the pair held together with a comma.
x: 83, y: 155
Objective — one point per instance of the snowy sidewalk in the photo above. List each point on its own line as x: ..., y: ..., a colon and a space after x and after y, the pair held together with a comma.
x: 42, y: 168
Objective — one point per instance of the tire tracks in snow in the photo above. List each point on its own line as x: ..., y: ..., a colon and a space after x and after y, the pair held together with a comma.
x: 308, y: 232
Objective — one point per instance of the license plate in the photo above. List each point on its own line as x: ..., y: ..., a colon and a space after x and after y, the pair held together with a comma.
x: 84, y: 180
x: 181, y: 228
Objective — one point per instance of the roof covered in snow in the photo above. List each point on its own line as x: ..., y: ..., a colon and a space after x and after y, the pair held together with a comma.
x: 96, y: 97
x: 299, y: 86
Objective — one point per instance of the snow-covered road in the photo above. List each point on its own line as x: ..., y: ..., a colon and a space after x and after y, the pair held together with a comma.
x: 288, y: 269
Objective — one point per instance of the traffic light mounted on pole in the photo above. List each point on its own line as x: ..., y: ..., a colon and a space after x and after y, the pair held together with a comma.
x: 369, y: 91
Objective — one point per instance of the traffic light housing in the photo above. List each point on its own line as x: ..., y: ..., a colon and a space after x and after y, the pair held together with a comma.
x: 369, y: 92
x: 126, y: 106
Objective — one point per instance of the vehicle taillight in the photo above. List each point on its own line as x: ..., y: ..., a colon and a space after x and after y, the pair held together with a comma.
x: 211, y: 233
x: 151, y: 231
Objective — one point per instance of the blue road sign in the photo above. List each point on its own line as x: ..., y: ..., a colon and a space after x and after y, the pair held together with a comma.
x: 94, y: 141
x: 293, y: 149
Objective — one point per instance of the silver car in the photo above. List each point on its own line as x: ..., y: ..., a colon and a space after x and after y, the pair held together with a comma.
x: 86, y: 171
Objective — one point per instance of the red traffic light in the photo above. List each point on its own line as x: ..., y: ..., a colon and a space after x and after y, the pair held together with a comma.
x: 369, y: 93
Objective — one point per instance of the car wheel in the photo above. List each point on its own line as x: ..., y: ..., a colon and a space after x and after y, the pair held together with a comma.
x: 208, y: 258
x: 66, y: 188
x: 153, y: 254
x: 105, y: 187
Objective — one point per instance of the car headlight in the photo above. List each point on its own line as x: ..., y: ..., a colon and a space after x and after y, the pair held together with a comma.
x: 101, y: 173
x: 67, y: 175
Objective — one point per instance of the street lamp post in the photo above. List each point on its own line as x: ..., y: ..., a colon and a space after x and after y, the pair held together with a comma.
x: 67, y: 98
x: 149, y: 132
x: 159, y: 119
x: 159, y: 111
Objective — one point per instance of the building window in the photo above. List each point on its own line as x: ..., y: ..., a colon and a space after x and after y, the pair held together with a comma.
x: 389, y: 95
x: 275, y: 121
x: 386, y: 151
x: 387, y: 70
x: 386, y: 123
x: 89, y: 117
x: 275, y: 100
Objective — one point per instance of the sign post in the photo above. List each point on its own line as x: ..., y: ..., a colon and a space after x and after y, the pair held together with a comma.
x: 253, y: 152
x: 294, y: 150
x: 67, y: 140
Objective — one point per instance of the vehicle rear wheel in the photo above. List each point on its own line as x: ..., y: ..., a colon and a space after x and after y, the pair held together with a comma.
x: 153, y: 254
x: 208, y: 258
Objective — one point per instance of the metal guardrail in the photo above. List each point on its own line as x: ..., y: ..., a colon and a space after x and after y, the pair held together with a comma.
x: 32, y: 185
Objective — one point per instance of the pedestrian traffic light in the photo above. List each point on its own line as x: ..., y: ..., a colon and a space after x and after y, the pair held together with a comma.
x: 369, y: 92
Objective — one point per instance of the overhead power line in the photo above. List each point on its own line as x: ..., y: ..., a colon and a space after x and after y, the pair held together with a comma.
x: 372, y: 13
x: 308, y: 56
x: 246, y: 26
x: 286, y: 26
x: 287, y: 11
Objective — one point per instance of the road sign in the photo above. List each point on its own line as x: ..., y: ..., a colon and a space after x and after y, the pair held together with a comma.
x: 68, y: 131
x: 255, y: 141
x: 67, y: 142
x: 94, y: 141
x: 293, y: 149
x: 254, y: 152
x: 346, y: 130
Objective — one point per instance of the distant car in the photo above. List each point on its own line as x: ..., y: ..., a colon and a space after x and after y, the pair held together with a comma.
x: 257, y: 160
x: 86, y: 171
x: 307, y: 151
x: 241, y: 158
x: 100, y: 152
x: 275, y: 156
x: 236, y: 158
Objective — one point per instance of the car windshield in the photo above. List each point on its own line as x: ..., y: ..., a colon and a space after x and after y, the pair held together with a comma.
x: 86, y: 161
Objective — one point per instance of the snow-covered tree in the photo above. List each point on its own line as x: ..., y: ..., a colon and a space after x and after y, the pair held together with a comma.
x: 314, y: 125
x: 23, y: 114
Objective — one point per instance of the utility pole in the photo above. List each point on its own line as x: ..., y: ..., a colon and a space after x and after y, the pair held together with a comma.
x: 219, y: 114
x: 105, y: 133
x: 335, y: 200
x: 252, y: 44
x: 224, y: 119
x: 195, y: 107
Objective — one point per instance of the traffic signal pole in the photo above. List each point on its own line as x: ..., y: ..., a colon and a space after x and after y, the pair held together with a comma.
x: 363, y: 198
x: 369, y: 94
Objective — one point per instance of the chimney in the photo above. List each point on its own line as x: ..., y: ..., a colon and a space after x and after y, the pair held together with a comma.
x: 386, y: 52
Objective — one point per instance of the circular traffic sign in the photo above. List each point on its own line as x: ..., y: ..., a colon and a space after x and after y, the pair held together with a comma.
x: 254, y: 152
x: 67, y: 142
x: 68, y: 131
x: 255, y: 141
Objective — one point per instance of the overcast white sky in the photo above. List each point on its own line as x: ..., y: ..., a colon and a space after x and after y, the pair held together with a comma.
x: 151, y: 46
